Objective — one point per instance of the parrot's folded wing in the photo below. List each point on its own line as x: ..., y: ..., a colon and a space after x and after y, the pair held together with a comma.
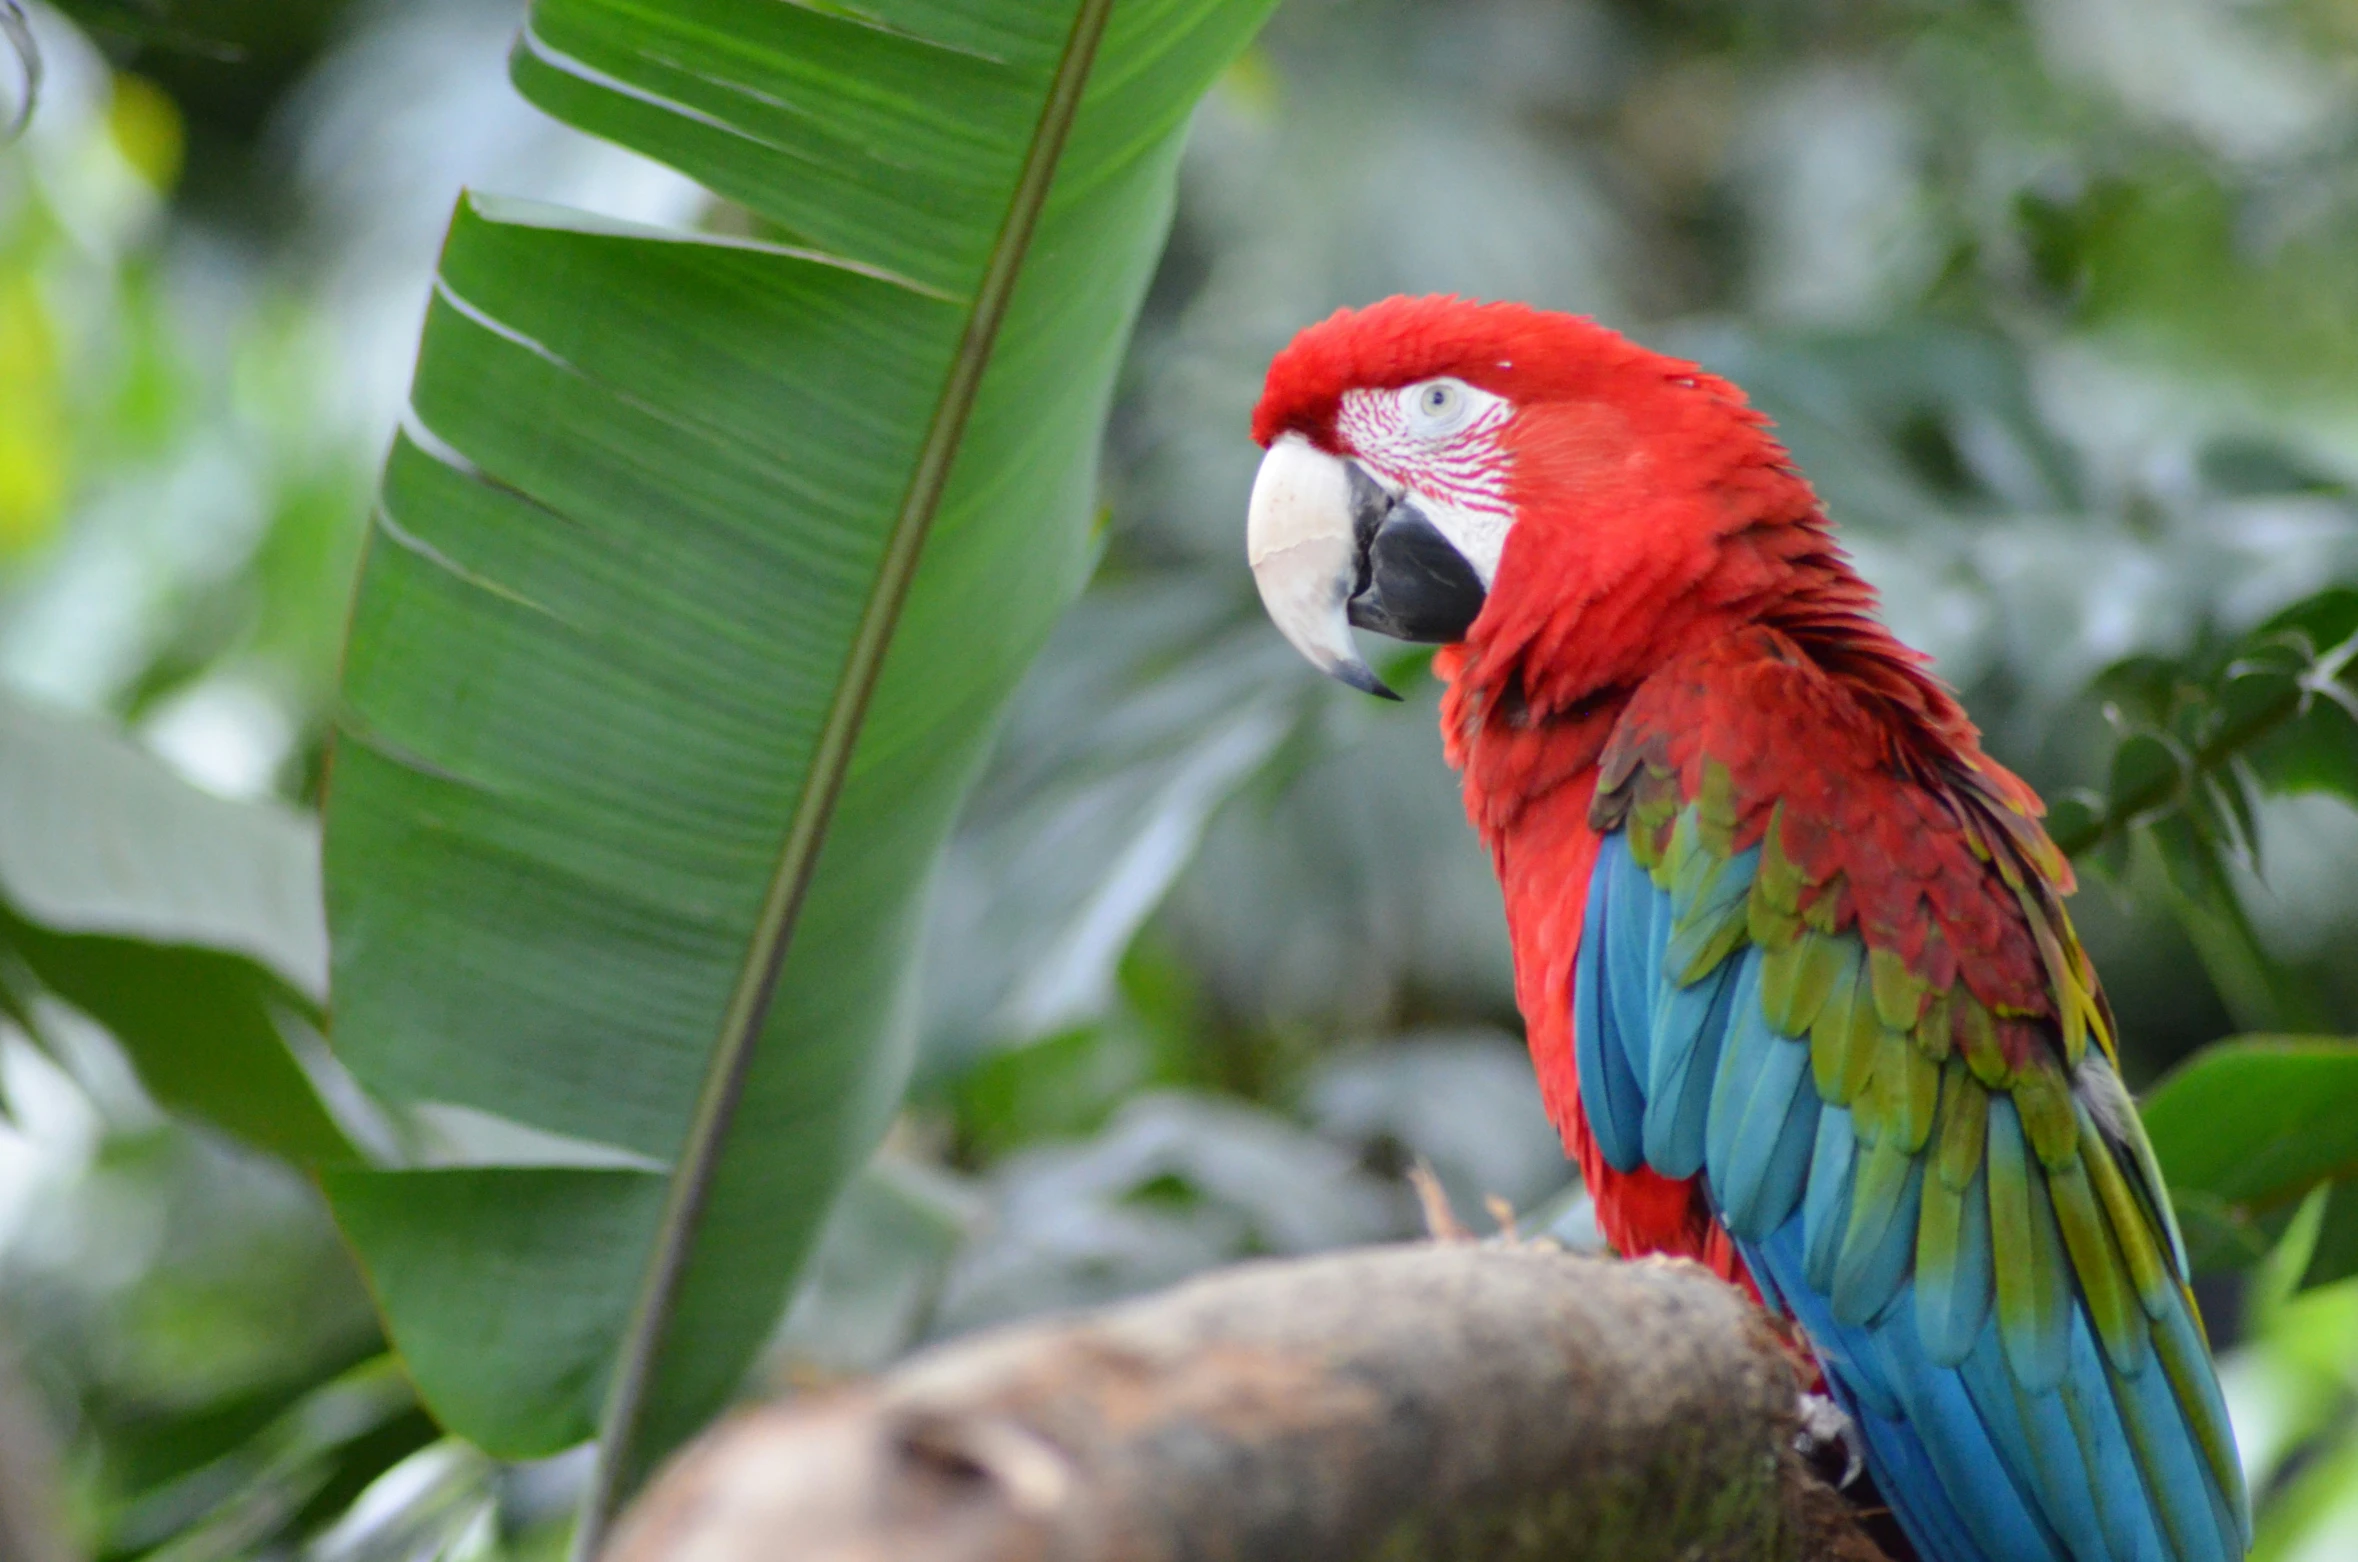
x: 1957, y: 1206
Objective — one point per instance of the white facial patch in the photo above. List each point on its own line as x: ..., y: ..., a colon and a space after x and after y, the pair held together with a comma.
x: 1439, y: 440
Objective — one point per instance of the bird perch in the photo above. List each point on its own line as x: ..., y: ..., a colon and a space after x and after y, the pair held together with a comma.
x: 1440, y: 1401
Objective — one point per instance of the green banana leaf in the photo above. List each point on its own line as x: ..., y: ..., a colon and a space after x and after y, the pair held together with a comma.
x: 664, y: 507
x: 2245, y: 1129
x: 186, y: 924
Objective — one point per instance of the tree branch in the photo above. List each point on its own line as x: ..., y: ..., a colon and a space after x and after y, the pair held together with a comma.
x: 1475, y: 1403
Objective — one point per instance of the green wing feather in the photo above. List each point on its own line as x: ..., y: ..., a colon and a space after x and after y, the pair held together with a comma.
x: 1992, y: 1158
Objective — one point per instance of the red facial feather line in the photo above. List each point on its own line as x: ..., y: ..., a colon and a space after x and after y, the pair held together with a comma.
x: 1469, y: 468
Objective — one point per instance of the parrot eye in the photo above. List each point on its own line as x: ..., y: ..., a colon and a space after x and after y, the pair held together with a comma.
x: 1437, y: 406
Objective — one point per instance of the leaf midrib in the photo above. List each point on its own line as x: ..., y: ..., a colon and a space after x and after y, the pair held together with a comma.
x: 798, y: 856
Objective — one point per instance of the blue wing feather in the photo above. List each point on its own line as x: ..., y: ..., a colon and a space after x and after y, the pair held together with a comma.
x: 1825, y: 1206
x: 1787, y: 1177
x: 1742, y: 1057
x: 1764, y: 1121
x: 1950, y: 1316
x: 1881, y: 1240
x: 1609, y: 1091
x: 1689, y: 1026
x: 1633, y: 962
x: 1980, y: 1463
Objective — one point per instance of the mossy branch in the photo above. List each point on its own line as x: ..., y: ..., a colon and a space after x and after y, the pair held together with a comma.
x: 1475, y: 1403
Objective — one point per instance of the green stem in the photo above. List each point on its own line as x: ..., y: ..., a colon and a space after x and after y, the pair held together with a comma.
x: 2120, y: 811
x: 2260, y: 994
x: 617, y: 1469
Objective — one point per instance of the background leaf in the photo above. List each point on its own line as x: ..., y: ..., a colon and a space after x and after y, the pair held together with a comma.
x: 625, y: 552
x: 2246, y: 1129
x: 2335, y: 1256
x: 532, y: 1275
x: 187, y: 924
x: 1992, y: 270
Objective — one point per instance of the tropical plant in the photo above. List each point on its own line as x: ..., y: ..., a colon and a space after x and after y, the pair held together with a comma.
x: 2054, y: 324
x: 700, y: 574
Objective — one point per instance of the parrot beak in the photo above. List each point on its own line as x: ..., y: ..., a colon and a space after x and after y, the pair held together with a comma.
x: 1305, y: 555
x: 1331, y: 546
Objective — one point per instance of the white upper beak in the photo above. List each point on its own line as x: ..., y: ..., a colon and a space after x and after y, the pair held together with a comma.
x: 1298, y: 537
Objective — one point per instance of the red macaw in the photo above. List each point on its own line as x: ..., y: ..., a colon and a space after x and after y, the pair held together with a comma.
x: 1800, y: 988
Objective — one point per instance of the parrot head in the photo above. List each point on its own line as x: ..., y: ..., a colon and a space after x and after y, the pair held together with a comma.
x: 1440, y: 470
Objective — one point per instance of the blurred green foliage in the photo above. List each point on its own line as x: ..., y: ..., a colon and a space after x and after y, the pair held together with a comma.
x: 2053, y: 301
x: 2254, y: 1129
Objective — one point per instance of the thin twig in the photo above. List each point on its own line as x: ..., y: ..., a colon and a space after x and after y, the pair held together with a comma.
x: 1441, y: 1222
x: 1503, y: 1213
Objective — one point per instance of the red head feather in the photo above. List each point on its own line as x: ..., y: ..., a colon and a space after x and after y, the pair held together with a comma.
x: 1654, y: 511
x: 1526, y: 355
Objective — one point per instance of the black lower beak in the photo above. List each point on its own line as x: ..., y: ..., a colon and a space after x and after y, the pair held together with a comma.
x: 1412, y: 582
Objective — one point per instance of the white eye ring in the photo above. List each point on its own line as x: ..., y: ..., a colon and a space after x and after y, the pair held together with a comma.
x: 1437, y: 406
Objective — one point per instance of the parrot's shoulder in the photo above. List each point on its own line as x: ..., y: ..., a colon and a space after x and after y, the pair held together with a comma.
x: 1868, y: 821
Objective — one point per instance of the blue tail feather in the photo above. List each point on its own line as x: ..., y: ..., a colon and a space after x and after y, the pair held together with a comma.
x: 2095, y: 1434
x: 1901, y: 1459
x: 2052, y: 1477
x: 2178, y: 1337
x: 1915, y: 1418
x: 2203, y: 1521
x: 2058, y: 1439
